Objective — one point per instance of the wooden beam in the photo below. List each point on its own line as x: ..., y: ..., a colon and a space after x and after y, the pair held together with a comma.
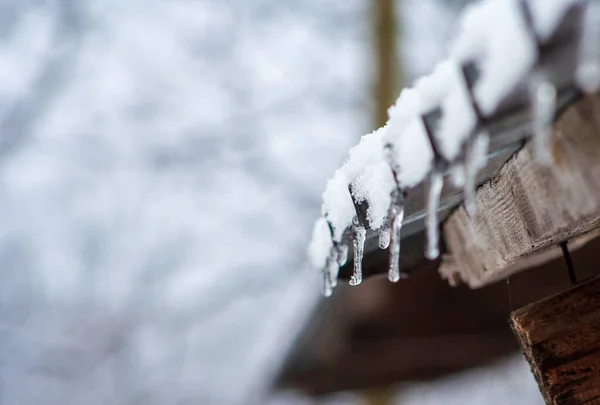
x: 560, y: 337
x: 382, y: 333
x: 527, y: 209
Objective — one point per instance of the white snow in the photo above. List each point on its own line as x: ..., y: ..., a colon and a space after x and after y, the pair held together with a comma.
x: 413, y: 154
x: 320, y: 244
x: 368, y: 171
x: 547, y: 15
x: 433, y: 88
x: 494, y: 33
x: 371, y: 176
x: 445, y: 87
x: 374, y: 184
x: 337, y: 204
x: 411, y: 147
x: 459, y: 119
x: 368, y: 151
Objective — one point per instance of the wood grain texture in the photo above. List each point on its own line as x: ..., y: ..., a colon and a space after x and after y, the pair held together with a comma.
x: 560, y: 337
x: 528, y: 208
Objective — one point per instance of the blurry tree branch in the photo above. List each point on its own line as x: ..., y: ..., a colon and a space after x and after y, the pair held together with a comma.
x: 387, y: 71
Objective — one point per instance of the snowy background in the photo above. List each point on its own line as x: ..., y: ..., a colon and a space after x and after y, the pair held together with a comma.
x: 161, y: 165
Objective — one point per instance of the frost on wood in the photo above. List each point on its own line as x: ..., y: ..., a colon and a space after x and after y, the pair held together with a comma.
x: 440, y: 126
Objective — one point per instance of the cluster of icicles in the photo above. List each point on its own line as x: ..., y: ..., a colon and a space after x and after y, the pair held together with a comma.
x: 503, y: 38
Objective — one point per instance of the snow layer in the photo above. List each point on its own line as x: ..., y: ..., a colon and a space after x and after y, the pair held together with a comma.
x: 411, y: 147
x: 459, y: 119
x: 372, y: 178
x: 445, y: 87
x: 495, y: 34
x: 320, y: 244
x: 337, y: 204
x: 374, y: 184
x: 368, y: 151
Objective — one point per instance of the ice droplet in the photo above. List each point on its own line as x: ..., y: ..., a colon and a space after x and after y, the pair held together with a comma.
x: 543, y: 104
x: 359, y: 248
x: 457, y: 175
x: 342, y: 257
x: 327, y: 287
x: 397, y: 216
x: 384, y: 235
x: 436, y: 183
x: 333, y: 266
x: 475, y: 160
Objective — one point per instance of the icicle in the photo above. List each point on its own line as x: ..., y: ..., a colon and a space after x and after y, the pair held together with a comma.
x: 588, y: 68
x: 359, y: 248
x: 397, y: 217
x: 333, y: 266
x: 457, y: 175
x: 436, y: 182
x: 342, y: 256
x: 474, y: 161
x: 384, y: 235
x: 543, y: 103
x: 327, y: 287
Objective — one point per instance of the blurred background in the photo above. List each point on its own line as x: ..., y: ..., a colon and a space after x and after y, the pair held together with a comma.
x: 161, y: 166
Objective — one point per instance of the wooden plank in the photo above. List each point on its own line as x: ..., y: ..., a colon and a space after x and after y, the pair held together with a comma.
x: 382, y: 333
x: 560, y: 337
x: 527, y: 208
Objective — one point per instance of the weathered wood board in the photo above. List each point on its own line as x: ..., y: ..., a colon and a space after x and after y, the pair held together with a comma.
x: 560, y: 337
x: 527, y: 209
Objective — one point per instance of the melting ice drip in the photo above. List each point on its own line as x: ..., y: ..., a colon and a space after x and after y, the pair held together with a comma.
x: 543, y: 104
x: 475, y: 160
x: 328, y: 282
x: 340, y: 257
x: 384, y: 235
x: 436, y: 183
x: 342, y: 254
x: 588, y: 68
x: 359, y: 249
x: 396, y: 215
